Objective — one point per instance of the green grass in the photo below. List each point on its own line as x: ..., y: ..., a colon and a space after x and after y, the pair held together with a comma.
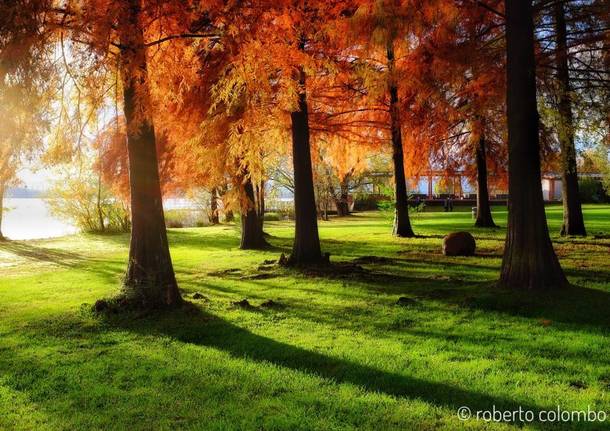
x: 339, y: 355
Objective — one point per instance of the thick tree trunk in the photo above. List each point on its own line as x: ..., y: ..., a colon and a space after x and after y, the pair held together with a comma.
x: 306, y: 247
x: 150, y: 281
x: 573, y: 221
x: 484, y: 218
x: 2, y: 187
x: 214, y: 219
x: 252, y: 236
x: 402, y: 224
x: 529, y: 259
x: 342, y: 203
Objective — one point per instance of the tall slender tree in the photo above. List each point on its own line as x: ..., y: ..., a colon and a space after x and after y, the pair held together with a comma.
x: 573, y: 221
x: 484, y: 217
x: 380, y: 27
x: 402, y: 223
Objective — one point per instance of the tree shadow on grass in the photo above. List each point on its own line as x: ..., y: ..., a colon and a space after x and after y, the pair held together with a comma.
x: 192, y: 325
x: 574, y: 306
x: 110, y: 269
x: 43, y: 254
x: 213, y: 240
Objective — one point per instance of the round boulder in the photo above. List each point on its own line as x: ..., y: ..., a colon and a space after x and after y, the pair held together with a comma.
x: 459, y: 244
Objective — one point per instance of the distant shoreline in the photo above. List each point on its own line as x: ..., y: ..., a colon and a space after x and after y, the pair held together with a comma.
x: 23, y: 193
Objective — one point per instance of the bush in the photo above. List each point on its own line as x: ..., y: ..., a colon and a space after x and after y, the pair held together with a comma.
x: 369, y: 202
x: 387, y: 206
x: 180, y: 218
x: 592, y: 191
x: 88, y: 204
x: 279, y: 210
x: 273, y: 216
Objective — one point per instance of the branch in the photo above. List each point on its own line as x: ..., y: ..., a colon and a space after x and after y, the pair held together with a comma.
x: 183, y: 36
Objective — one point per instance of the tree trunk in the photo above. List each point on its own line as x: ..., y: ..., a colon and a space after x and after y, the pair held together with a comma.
x: 402, y: 224
x: 229, y: 216
x: 573, y: 221
x: 306, y: 247
x: 260, y: 204
x: 529, y: 259
x: 214, y: 219
x: 484, y: 218
x: 150, y: 281
x: 100, y: 212
x: 342, y: 203
x: 252, y: 237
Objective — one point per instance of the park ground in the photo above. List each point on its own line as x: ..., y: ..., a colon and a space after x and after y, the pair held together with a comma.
x: 331, y: 351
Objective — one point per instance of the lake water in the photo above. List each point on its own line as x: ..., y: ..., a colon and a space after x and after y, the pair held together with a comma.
x: 31, y: 219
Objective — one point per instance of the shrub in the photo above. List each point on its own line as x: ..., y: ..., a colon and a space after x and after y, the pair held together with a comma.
x: 82, y: 199
x: 592, y: 191
x: 180, y: 218
x: 273, y: 216
x: 369, y: 202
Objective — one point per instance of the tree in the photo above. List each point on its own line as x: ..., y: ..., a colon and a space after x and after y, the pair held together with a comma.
x: 402, y: 223
x: 306, y: 247
x: 529, y: 259
x: 214, y: 216
x: 150, y: 279
x: 110, y: 35
x: 573, y: 78
x: 573, y: 221
x: 25, y: 85
x: 484, y: 217
x: 381, y: 26
x: 21, y: 130
x: 278, y: 55
x: 252, y: 235
x: 464, y: 102
x: 80, y: 196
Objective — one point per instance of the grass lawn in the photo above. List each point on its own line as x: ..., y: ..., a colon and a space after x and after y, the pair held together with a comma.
x: 337, y: 353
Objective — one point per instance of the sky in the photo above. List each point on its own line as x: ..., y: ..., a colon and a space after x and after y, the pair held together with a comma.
x: 35, y: 178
